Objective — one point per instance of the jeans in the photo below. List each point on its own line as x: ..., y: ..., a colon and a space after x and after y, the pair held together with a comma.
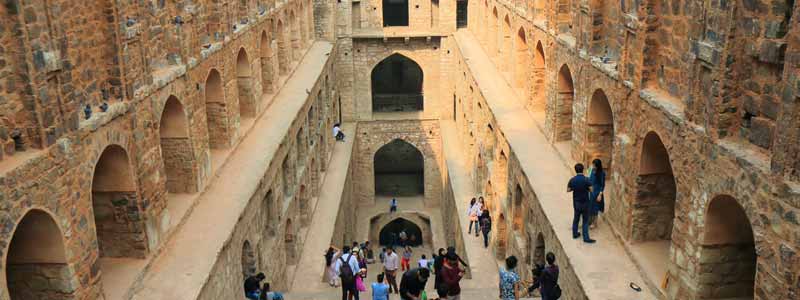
x: 581, y: 212
x: 477, y: 227
x: 351, y: 289
x: 469, y: 228
x: 391, y: 279
x: 486, y: 239
x: 253, y: 295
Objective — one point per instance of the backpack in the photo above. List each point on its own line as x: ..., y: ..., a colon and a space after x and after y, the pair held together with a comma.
x: 486, y: 223
x: 556, y: 292
x: 345, y: 271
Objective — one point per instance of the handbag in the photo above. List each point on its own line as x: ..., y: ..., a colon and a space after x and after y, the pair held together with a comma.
x: 360, y: 284
x: 423, y: 296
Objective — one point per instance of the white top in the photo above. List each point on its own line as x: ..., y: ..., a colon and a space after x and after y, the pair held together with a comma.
x: 475, y: 209
x: 423, y: 263
x: 392, y: 262
x: 336, y: 130
x: 351, y: 260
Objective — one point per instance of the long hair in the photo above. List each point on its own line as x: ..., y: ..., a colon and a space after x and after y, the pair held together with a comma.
x: 598, y: 165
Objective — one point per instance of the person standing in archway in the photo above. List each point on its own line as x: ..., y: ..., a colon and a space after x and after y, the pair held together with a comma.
x: 598, y: 178
x: 580, y: 188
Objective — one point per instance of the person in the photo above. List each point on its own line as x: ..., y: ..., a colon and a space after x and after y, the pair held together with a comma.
x: 546, y: 279
x: 268, y: 294
x: 330, y: 256
x: 337, y: 132
x: 403, y: 238
x: 370, y: 254
x: 413, y: 283
x: 452, y: 250
x: 393, y: 205
x: 407, y: 253
x: 390, y: 269
x: 478, y: 212
x: 423, y: 262
x: 509, y: 280
x: 438, y: 263
x: 362, y: 261
x: 347, y: 268
x: 472, y: 214
x: 580, y: 188
x: 451, y: 276
x: 486, y: 226
x: 380, y: 290
x: 382, y: 256
x: 252, y: 286
x: 598, y: 178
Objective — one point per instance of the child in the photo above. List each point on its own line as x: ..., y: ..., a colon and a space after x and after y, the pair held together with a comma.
x: 380, y: 289
x: 423, y: 263
x: 404, y: 262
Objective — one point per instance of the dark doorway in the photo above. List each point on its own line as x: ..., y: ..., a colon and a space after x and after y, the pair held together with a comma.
x: 399, y: 170
x: 391, y: 232
x: 461, y: 14
x: 397, y: 85
x: 395, y: 13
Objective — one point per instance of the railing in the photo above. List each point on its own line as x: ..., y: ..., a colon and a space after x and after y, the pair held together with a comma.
x: 397, y: 102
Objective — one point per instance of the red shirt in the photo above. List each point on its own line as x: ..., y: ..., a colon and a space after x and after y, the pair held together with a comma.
x: 451, y: 275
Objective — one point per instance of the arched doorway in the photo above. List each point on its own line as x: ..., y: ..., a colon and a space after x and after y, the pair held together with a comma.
x: 216, y: 112
x: 248, y: 260
x: 519, y: 209
x: 284, y: 49
x: 539, y: 79
x: 501, y: 237
x: 600, y: 129
x: 389, y: 235
x: 395, y: 13
x: 177, y: 153
x: 304, y: 206
x: 267, y: 66
x: 522, y: 60
x: 397, y: 85
x: 539, y: 250
x: 505, y: 39
x: 118, y: 221
x: 270, y: 214
x: 36, y: 265
x: 727, y: 230
x: 563, y: 113
x: 289, y: 242
x: 294, y: 36
x: 244, y: 85
x: 399, y: 170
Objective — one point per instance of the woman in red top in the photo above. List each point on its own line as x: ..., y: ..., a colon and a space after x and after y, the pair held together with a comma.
x: 451, y: 276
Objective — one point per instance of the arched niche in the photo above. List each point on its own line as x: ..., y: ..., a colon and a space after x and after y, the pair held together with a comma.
x: 399, y: 170
x: 600, y: 129
x: 216, y: 111
x: 522, y: 62
x: 518, y: 209
x: 385, y: 228
x: 563, y: 110
x: 176, y: 148
x: 539, y: 79
x: 397, y: 85
x: 244, y: 85
x: 248, y: 260
x: 389, y: 234
x: 267, y: 63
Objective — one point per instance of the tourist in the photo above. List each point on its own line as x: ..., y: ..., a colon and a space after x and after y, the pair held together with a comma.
x: 380, y: 290
x: 438, y: 263
x: 393, y: 205
x: 252, y: 286
x: 330, y: 275
x: 337, y: 132
x: 367, y: 248
x: 509, y: 280
x: 268, y: 294
x: 407, y: 253
x: 478, y: 212
x: 347, y: 269
x: 382, y: 256
x: 580, y: 188
x: 451, y: 276
x: 598, y: 178
x: 472, y: 214
x: 390, y: 268
x: 452, y: 251
x: 413, y: 283
x: 403, y: 238
x: 486, y: 226
x: 362, y: 261
x: 423, y: 262
x: 546, y: 278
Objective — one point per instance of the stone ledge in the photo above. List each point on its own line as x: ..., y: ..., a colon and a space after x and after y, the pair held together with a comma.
x: 672, y: 107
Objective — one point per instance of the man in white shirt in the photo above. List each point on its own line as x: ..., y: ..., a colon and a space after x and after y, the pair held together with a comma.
x: 423, y: 262
x: 390, y: 266
x: 337, y: 132
x: 352, y: 261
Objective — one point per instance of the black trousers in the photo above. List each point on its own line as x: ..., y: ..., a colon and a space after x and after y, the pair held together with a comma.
x: 351, y: 289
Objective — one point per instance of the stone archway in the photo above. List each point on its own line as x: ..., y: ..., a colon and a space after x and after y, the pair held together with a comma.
x: 36, y: 264
x: 118, y: 220
x: 539, y: 80
x: 518, y: 209
x: 385, y: 228
x: 390, y: 233
x: 399, y: 170
x: 284, y: 49
x: 248, y: 260
x: 294, y: 36
x: 501, y: 237
x: 539, y: 250
x: 522, y: 61
x: 728, y: 254
x: 289, y: 240
x: 177, y: 152
x: 267, y: 63
x: 244, y: 86
x: 600, y: 130
x: 505, y: 39
x: 563, y: 110
x: 397, y: 85
x: 216, y: 112
x: 494, y: 48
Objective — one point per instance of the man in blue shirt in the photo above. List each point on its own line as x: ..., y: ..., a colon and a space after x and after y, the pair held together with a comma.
x: 580, y: 186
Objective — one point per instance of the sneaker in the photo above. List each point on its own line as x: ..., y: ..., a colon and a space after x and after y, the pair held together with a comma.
x: 575, y: 235
x: 589, y: 241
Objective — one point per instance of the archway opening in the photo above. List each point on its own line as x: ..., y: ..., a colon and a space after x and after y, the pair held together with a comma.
x: 176, y: 148
x: 244, y: 85
x: 284, y: 51
x: 117, y: 216
x: 501, y: 237
x: 216, y: 111
x: 36, y: 265
x: 399, y: 170
x: 564, y: 97
x: 539, y: 250
x: 522, y: 60
x: 267, y: 65
x: 727, y: 230
x: 539, y: 79
x: 600, y: 135
x: 294, y: 36
x: 462, y: 16
x: 397, y: 85
x: 289, y: 242
x: 505, y: 40
x: 248, y: 260
x: 518, y: 208
x: 390, y: 233
x: 395, y: 13
x: 494, y: 48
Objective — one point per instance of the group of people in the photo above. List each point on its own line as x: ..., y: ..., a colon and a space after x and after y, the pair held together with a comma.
x: 545, y: 279
x: 254, y: 290
x: 479, y: 216
x: 587, y: 198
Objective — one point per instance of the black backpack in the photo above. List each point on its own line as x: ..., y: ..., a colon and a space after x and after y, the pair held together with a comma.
x: 345, y: 271
x: 555, y: 293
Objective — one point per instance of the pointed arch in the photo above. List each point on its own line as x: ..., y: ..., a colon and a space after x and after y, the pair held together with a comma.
x: 389, y: 234
x: 563, y: 110
x: 244, y: 85
x: 600, y: 129
x: 506, y: 44
x: 177, y: 152
x: 216, y: 111
x: 495, y: 34
x: 248, y: 260
x: 522, y: 62
x: 284, y: 48
x: 294, y: 36
x: 501, y: 237
x: 399, y: 169
x: 268, y: 62
x: 518, y: 209
x: 539, y: 85
x: 397, y: 84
